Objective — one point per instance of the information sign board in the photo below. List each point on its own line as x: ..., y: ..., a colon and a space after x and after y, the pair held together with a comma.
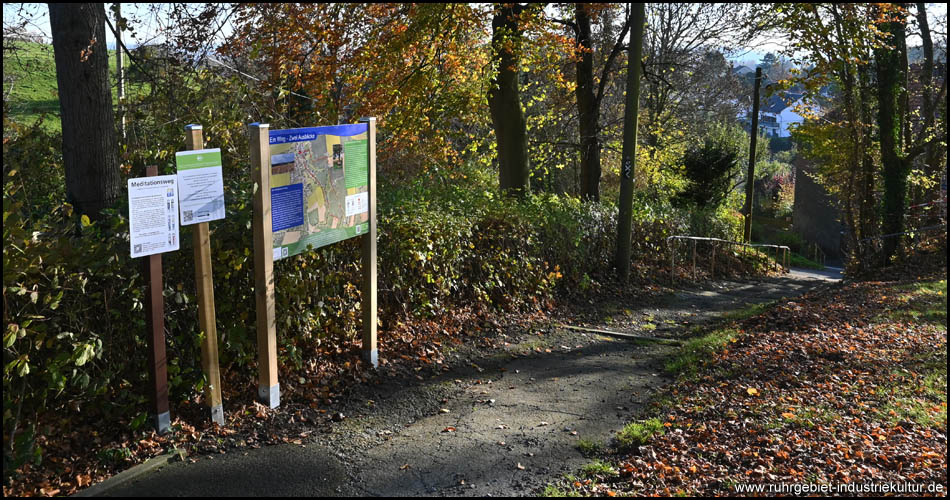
x: 153, y: 215
x: 319, y: 186
x: 200, y: 185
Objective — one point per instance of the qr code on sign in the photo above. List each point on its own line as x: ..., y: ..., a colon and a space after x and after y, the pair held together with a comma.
x: 188, y: 215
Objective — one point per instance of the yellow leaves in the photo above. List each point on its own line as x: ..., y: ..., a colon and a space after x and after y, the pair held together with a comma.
x: 752, y: 391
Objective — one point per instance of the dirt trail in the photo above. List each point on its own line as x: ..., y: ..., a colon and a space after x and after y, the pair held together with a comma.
x: 501, y: 425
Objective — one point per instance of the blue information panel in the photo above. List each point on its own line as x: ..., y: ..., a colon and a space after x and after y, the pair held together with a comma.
x: 286, y: 206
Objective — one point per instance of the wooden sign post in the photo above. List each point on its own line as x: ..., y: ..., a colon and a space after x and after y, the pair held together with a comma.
x: 209, y: 345
x: 282, y: 207
x: 370, y: 353
x: 268, y: 389
x: 155, y: 337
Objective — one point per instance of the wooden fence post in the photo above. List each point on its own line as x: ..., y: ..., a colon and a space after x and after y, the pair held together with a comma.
x: 712, y: 265
x: 268, y: 389
x: 155, y: 337
x: 370, y: 353
x: 694, y: 260
x: 672, y: 261
x: 194, y: 139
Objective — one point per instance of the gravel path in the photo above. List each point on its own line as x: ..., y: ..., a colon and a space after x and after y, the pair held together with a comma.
x: 501, y: 423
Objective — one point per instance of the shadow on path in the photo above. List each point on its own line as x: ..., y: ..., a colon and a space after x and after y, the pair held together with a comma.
x: 505, y: 425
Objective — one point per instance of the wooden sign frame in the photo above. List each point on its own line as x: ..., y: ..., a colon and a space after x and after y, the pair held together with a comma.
x: 268, y: 389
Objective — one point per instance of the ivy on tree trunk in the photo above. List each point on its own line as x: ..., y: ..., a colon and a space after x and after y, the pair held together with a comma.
x: 504, y: 101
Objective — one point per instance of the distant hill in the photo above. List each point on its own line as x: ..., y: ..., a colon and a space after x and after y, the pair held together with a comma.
x: 29, y: 82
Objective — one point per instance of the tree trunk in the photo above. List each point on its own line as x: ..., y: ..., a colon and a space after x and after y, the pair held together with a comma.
x: 629, y: 157
x: 933, y: 153
x: 504, y: 102
x: 587, y: 109
x: 890, y: 122
x: 85, y: 100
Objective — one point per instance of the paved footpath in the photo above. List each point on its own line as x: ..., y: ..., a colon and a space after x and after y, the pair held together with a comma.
x: 503, y: 426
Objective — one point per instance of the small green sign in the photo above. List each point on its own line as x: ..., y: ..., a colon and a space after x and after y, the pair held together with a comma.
x: 188, y: 160
x: 357, y: 163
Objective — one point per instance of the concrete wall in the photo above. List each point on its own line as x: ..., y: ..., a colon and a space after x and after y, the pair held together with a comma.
x: 814, y: 215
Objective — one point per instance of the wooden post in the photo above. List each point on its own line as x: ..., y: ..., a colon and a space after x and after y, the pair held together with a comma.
x: 370, y: 353
x: 672, y: 261
x: 629, y: 152
x: 268, y: 389
x: 203, y: 282
x: 120, y: 69
x: 694, y: 260
x: 750, y: 178
x: 712, y: 265
x: 155, y: 337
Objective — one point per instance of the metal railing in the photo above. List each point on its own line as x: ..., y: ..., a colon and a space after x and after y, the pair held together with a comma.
x: 716, y: 243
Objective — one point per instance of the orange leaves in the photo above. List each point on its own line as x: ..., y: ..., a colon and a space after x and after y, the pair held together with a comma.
x: 804, y: 395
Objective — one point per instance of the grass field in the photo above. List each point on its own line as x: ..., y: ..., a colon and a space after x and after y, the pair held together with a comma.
x: 30, y: 70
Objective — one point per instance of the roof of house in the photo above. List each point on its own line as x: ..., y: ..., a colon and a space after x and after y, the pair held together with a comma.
x: 742, y: 70
x: 778, y: 101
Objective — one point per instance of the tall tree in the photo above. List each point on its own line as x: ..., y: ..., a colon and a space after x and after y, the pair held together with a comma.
x: 900, y: 146
x: 85, y: 100
x: 891, y: 63
x: 504, y: 100
x: 678, y: 36
x: 835, y: 41
x: 587, y: 108
x: 931, y: 96
x: 590, y: 95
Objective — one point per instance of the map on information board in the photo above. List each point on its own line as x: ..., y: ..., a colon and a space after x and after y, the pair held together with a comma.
x: 319, y: 186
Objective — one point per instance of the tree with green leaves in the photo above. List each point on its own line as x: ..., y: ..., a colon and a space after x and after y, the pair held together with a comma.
x: 711, y: 169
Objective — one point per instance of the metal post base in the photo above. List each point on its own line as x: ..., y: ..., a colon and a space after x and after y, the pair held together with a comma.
x: 162, y: 422
x: 269, y: 396
x: 372, y: 357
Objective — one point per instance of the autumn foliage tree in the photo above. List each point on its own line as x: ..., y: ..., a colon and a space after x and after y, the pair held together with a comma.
x: 861, y: 49
x: 417, y: 67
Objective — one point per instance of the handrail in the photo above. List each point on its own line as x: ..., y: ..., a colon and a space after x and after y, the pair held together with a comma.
x: 918, y: 230
x: 784, y: 249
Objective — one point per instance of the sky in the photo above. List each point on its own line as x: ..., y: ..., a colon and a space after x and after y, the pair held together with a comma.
x: 146, y: 22
x: 147, y: 26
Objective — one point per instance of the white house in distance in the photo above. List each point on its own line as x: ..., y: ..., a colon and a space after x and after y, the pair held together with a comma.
x: 779, y: 111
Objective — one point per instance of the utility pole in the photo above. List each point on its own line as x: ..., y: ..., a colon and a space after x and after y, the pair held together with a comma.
x: 120, y: 70
x: 750, y: 179
x: 629, y: 155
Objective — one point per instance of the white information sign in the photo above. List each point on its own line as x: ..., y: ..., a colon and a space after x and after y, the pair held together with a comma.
x: 200, y: 185
x: 357, y: 204
x: 153, y: 215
